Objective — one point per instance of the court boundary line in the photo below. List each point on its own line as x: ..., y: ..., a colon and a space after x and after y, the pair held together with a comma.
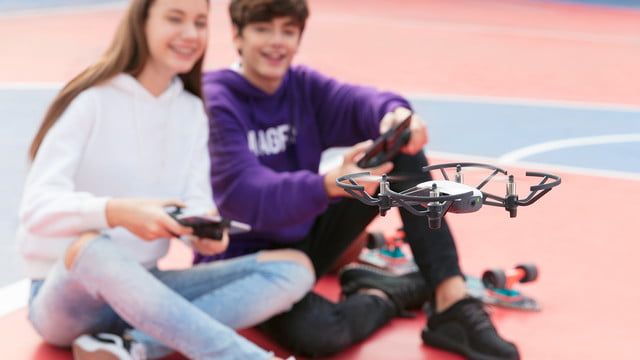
x: 63, y: 10
x: 535, y: 149
x: 36, y: 85
x: 450, y: 97
x: 481, y: 28
x: 572, y: 170
x: 520, y: 101
x: 14, y: 296
x: 70, y: 9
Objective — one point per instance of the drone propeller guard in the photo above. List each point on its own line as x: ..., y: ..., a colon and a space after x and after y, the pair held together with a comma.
x: 434, y: 199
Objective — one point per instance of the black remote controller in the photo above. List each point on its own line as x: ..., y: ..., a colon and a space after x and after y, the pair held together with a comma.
x: 207, y: 227
x: 387, y: 146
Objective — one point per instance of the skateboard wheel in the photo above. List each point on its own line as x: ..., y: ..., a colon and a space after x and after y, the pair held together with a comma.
x: 530, y: 272
x: 494, y: 278
x: 375, y: 240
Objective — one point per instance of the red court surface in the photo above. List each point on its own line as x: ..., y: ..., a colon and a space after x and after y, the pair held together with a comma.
x: 511, y: 48
x: 582, y: 235
x: 585, y: 260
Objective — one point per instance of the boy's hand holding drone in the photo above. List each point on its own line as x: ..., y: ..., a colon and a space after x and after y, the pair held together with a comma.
x: 349, y: 167
x: 418, y: 129
x: 146, y: 218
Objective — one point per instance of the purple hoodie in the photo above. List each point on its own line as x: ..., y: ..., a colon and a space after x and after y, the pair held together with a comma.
x: 265, y: 149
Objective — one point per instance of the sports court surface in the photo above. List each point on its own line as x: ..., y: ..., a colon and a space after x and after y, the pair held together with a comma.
x: 535, y: 85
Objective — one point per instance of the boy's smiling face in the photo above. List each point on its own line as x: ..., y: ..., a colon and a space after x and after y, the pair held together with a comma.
x: 267, y: 49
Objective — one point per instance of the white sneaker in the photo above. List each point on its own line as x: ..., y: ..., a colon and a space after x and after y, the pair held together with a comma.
x: 107, y: 347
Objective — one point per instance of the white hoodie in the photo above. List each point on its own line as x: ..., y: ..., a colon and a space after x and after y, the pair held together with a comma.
x: 114, y: 140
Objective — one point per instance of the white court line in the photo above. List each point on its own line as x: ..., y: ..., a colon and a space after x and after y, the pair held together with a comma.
x: 14, y: 296
x: 567, y: 104
x: 536, y: 165
x: 531, y: 150
x: 63, y: 10
x: 336, y: 159
x: 478, y: 28
x: 71, y: 9
x: 31, y: 85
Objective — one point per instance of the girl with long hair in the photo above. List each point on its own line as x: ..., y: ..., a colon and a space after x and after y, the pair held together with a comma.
x: 124, y: 139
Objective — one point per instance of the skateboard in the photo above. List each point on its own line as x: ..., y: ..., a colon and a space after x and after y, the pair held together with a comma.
x: 495, y: 287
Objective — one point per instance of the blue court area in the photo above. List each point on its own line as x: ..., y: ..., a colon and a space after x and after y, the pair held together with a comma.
x: 461, y: 128
x: 10, y: 5
x: 13, y: 5
x: 609, y: 3
x: 21, y: 112
x: 594, y: 138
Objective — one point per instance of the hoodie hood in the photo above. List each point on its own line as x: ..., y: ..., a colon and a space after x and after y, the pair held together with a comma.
x: 130, y: 85
x: 263, y: 110
x: 233, y: 81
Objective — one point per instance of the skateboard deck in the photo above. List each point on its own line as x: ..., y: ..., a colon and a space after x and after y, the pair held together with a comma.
x: 506, y: 298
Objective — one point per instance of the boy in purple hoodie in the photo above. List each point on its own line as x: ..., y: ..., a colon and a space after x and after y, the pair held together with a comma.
x: 270, y: 123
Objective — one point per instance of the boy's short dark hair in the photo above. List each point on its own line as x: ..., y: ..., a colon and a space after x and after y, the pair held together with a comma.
x: 244, y: 12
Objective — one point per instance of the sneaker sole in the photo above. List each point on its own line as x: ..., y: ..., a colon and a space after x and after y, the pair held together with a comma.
x: 354, y: 282
x: 432, y: 339
x: 371, y: 268
x: 79, y: 354
x: 362, y: 269
x: 84, y: 348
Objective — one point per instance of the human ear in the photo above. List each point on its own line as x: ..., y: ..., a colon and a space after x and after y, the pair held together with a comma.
x: 237, y: 38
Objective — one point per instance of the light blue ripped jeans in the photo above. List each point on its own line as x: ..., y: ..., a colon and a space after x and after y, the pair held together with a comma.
x: 193, y: 311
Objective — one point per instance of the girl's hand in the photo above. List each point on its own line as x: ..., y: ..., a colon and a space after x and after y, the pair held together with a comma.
x: 418, y: 129
x: 145, y: 218
x: 210, y: 247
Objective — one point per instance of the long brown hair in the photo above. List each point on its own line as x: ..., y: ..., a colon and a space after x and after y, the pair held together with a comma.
x: 127, y: 53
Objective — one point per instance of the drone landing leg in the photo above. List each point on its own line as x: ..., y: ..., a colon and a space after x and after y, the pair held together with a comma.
x: 433, y: 250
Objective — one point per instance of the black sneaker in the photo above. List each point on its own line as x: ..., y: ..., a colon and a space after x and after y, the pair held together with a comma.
x: 465, y: 328
x: 407, y: 292
x: 107, y: 347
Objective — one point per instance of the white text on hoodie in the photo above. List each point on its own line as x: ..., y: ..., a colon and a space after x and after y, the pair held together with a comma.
x: 270, y: 141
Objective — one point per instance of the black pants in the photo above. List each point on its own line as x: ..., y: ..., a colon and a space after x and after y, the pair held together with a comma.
x: 316, y: 326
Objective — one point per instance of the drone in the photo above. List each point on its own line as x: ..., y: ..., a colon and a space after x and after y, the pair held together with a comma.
x: 435, y: 198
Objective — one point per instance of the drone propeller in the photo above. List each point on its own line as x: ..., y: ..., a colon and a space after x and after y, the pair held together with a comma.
x: 417, y: 200
x: 511, y: 200
x: 395, y: 177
